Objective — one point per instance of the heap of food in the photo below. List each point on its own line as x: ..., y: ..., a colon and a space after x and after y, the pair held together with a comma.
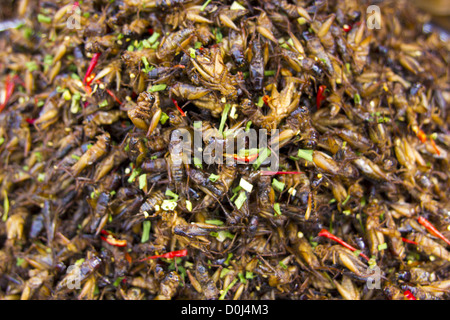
x: 93, y: 205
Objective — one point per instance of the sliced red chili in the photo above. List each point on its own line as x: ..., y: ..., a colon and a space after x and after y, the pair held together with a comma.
x: 168, y: 255
x: 408, y: 295
x: 110, y: 239
x: 320, y: 96
x: 325, y: 233
x: 178, y: 107
x: 91, y: 67
x: 432, y: 229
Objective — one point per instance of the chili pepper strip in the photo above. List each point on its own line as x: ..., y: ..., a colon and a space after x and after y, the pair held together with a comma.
x: 325, y: 233
x: 320, y: 96
x: 408, y: 295
x: 168, y: 255
x: 432, y: 229
x: 91, y: 67
x: 111, y: 240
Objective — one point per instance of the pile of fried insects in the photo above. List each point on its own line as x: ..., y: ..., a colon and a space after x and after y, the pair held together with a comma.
x: 94, y: 207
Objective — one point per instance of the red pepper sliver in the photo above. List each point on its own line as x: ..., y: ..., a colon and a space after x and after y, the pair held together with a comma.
x: 272, y: 173
x: 320, y: 96
x: 91, y: 67
x: 168, y: 255
x: 432, y: 229
x: 409, y: 241
x: 246, y: 159
x: 408, y: 294
x: 179, y: 109
x: 9, y: 87
x: 325, y: 233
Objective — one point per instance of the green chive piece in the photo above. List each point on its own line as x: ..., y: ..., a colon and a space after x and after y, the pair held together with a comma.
x: 269, y: 73
x: 345, y: 201
x: 305, y: 154
x: 205, y: 5
x: 31, y: 66
x: 246, y: 185
x: 224, y: 117
x: 164, y: 118
x: 224, y: 293
x: 240, y: 199
x: 277, y: 185
x: 230, y: 255
x: 357, y: 98
x: 382, y: 246
x: 277, y: 209
x: 213, y: 177
x: 224, y: 272
x: 154, y: 37
x: 214, y: 222
x: 44, y: 19
x: 146, y: 231
x: 242, y: 278
x: 198, y: 163
x: 260, y: 102
x: 247, y: 126
x: 198, y: 45
x: 103, y: 104
x: 265, y: 153
x: 172, y: 194
x: 188, y: 205
x: 74, y: 156
x: 142, y: 181
x: 158, y: 87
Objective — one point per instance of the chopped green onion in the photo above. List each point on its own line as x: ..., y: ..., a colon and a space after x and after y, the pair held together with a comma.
x: 198, y: 45
x: 192, y: 53
x: 41, y: 18
x: 198, y: 163
x: 164, y: 118
x: 236, y: 6
x: 224, y: 292
x: 277, y: 209
x: 155, y: 45
x: 168, y: 205
x: 146, y: 44
x: 153, y: 157
x: 224, y: 117
x: 282, y: 265
x: 142, y: 181
x: 74, y: 156
x: 269, y: 73
x: 158, y: 87
x: 332, y: 201
x: 31, y: 66
x: 41, y: 177
x: 218, y: 35
x: 224, y: 272
x: 2, y: 140
x: 277, y: 185
x: 203, y: 7
x: 347, y: 212
x: 213, y: 177
x: 130, y: 48
x: 246, y: 185
x: 19, y: 262
x: 345, y: 201
x: 305, y: 154
x: 230, y: 255
x: 188, y: 205
x: 134, y: 174
x: 171, y: 194
x: 249, y: 275
x: 117, y: 281
x: 240, y: 200
x: 247, y: 126
x: 382, y: 246
x: 222, y: 235
x: 261, y: 158
x: 104, y: 103
x: 214, y: 222
x: 260, y: 102
x: 145, y: 231
x: 154, y: 37
x: 357, y: 98
x: 242, y: 278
